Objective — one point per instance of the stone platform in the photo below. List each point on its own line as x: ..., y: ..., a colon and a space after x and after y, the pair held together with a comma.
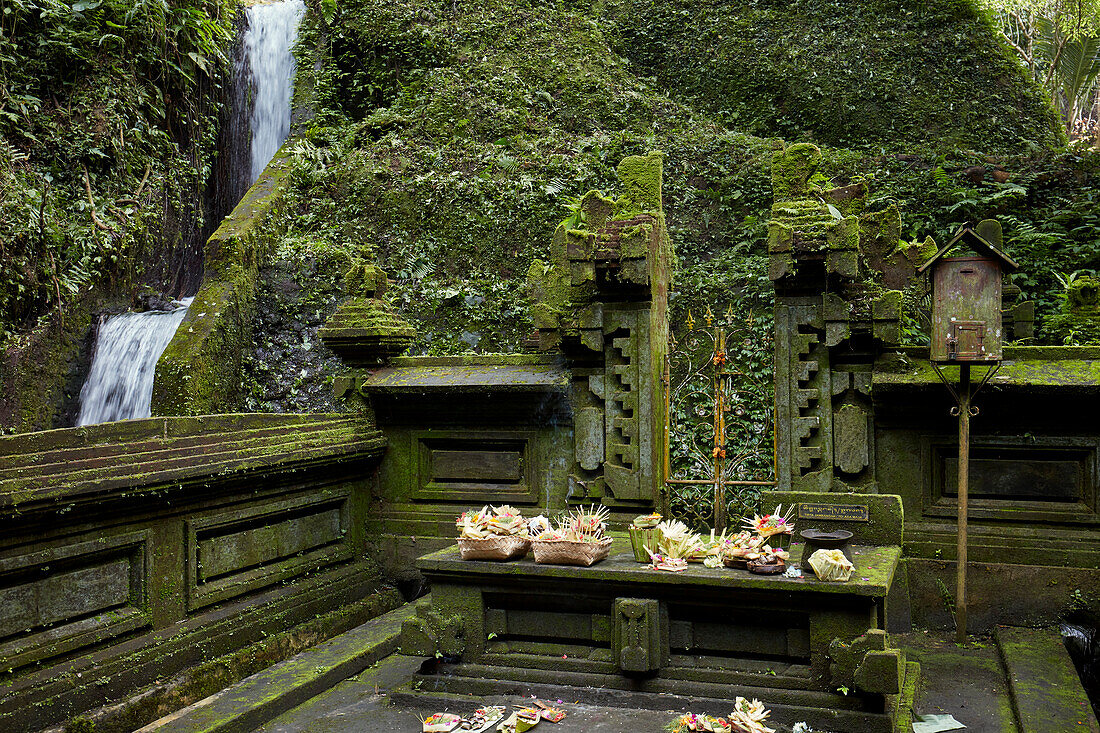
x: 812, y: 649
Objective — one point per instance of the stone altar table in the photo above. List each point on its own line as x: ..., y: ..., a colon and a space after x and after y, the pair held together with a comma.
x: 704, y: 633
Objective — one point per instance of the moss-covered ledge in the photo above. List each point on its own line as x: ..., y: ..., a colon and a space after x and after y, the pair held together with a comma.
x: 91, y: 468
x: 200, y: 370
x: 1063, y: 368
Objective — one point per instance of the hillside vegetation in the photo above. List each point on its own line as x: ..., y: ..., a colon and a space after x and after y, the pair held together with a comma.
x: 448, y: 139
x: 109, y: 116
x: 445, y: 140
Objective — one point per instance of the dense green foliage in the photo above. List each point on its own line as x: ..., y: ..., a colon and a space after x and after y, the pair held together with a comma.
x: 890, y: 74
x: 108, y: 119
x: 447, y: 139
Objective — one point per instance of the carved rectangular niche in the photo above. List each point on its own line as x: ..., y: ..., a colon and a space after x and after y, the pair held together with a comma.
x: 476, y: 466
x: 722, y: 638
x: 1041, y: 479
x: 57, y: 600
x: 529, y: 624
x: 236, y: 552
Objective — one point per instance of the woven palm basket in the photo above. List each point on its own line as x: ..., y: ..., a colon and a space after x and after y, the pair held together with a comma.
x: 567, y: 552
x: 642, y: 538
x: 497, y: 547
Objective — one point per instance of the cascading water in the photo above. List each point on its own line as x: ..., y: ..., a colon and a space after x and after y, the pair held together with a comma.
x: 272, y: 30
x: 120, y: 383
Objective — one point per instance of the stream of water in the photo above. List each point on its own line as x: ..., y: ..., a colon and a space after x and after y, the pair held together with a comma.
x: 272, y: 30
x: 120, y: 383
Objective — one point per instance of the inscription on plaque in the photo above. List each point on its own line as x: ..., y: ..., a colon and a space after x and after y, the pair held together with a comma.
x: 834, y: 512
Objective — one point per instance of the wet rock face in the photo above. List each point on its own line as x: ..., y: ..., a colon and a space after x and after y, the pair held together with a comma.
x: 151, y: 301
x: 288, y: 368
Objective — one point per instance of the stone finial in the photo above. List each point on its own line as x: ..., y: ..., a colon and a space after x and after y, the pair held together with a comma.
x: 1083, y: 296
x: 364, y: 331
x: 792, y: 168
x: 613, y: 248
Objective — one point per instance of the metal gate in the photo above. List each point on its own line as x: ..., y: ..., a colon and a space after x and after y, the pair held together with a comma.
x: 719, y: 384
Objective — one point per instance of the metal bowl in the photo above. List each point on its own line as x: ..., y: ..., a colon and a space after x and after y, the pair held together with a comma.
x: 826, y: 540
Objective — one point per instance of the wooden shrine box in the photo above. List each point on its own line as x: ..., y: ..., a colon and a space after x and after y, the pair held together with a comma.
x: 966, y: 297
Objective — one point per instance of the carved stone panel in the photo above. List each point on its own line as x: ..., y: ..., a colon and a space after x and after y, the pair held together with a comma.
x: 850, y: 438
x: 235, y: 552
x: 638, y: 641
x: 57, y: 600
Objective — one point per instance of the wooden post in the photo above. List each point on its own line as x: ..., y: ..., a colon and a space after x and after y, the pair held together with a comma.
x: 662, y: 487
x: 964, y: 480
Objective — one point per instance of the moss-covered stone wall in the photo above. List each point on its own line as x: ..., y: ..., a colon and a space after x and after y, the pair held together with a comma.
x: 200, y: 371
x: 448, y: 140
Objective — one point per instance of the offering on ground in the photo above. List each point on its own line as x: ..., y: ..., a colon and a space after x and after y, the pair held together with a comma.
x: 520, y: 720
x: 483, y: 719
x: 441, y: 723
x: 554, y: 715
x: 747, y: 717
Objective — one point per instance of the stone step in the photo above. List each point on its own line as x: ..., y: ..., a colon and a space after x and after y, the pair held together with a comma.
x: 1046, y: 692
x: 265, y: 695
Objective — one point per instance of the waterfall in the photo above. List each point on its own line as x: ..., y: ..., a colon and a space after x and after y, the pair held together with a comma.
x: 120, y: 383
x: 272, y: 30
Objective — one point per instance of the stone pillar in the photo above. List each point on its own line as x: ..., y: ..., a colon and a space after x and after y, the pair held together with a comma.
x: 837, y: 271
x: 602, y: 303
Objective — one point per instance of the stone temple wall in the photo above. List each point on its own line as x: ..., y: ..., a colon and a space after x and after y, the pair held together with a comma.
x: 858, y: 411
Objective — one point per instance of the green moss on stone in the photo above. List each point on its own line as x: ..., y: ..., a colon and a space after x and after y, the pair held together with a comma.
x: 200, y: 370
x: 641, y: 180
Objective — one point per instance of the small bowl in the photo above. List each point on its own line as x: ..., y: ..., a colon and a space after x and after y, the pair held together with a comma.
x: 764, y: 568
x: 826, y: 540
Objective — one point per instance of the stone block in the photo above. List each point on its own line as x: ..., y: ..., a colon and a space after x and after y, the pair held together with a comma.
x: 889, y: 332
x: 843, y: 262
x: 780, y: 237
x: 636, y: 637
x: 580, y: 245
x: 887, y: 307
x: 634, y: 241
x: 843, y: 235
x: 881, y: 672
x: 589, y: 431
x: 634, y: 271
x: 885, y: 513
x: 780, y: 266
x: 428, y: 633
x: 846, y: 658
x: 851, y: 449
